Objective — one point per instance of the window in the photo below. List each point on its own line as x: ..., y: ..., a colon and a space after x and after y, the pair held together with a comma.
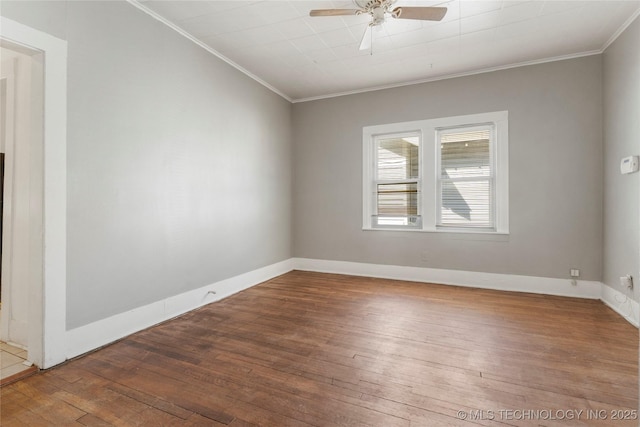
x: 465, y: 181
x: 448, y: 174
x: 397, y: 180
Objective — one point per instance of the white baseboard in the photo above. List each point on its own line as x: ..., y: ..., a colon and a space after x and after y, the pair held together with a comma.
x: 501, y: 282
x: 621, y: 304
x: 105, y: 331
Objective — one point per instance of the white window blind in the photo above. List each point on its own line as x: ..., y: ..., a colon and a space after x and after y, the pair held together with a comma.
x: 465, y: 183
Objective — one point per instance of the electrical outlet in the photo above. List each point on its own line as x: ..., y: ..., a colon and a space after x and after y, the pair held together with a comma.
x: 575, y: 272
x: 626, y: 281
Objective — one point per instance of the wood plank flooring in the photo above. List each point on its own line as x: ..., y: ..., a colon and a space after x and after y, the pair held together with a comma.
x: 311, y: 349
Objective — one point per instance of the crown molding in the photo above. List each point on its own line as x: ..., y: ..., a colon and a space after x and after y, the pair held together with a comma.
x: 451, y: 76
x: 621, y: 30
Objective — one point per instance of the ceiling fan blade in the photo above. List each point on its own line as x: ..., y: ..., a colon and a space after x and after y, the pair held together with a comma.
x: 424, y: 13
x: 334, y: 12
x: 366, y: 39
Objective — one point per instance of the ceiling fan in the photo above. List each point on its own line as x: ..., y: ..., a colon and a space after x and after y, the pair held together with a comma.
x: 379, y: 10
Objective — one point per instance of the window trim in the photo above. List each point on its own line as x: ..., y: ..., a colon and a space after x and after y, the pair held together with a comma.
x: 429, y: 173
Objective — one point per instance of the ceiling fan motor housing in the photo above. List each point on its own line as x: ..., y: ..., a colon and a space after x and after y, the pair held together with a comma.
x: 376, y: 8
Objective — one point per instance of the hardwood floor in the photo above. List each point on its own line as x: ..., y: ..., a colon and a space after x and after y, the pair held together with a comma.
x: 311, y: 349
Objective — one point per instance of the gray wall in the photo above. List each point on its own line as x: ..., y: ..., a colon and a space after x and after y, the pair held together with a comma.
x: 179, y: 166
x: 556, y: 188
x: 622, y: 138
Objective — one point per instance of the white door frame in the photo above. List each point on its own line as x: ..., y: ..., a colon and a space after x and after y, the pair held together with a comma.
x: 47, y: 328
x: 7, y: 290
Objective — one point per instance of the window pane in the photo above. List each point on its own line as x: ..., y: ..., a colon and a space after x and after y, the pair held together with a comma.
x: 465, y: 154
x: 397, y: 221
x: 466, y: 204
x: 398, y: 158
x: 398, y: 199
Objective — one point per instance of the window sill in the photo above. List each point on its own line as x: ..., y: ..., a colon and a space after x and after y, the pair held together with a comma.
x: 440, y: 231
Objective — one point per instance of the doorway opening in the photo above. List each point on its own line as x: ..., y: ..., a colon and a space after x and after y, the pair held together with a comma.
x: 22, y: 207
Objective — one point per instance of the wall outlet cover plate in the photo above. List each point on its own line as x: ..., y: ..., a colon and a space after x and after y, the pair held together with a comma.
x: 626, y: 281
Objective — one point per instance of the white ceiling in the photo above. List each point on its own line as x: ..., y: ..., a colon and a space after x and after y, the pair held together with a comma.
x: 303, y: 58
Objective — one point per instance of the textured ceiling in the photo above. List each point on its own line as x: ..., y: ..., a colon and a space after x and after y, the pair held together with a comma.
x: 303, y: 57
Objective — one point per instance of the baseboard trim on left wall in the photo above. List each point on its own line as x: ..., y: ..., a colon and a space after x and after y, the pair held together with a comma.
x: 105, y: 331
